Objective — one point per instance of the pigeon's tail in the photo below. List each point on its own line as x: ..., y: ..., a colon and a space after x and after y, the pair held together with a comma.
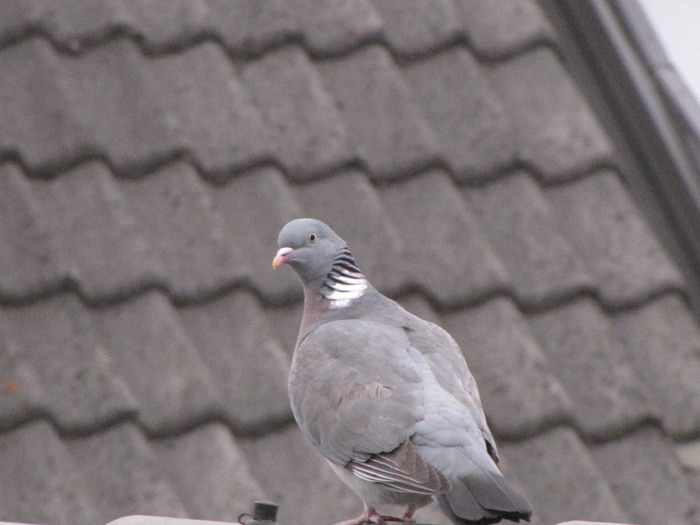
x: 484, y: 497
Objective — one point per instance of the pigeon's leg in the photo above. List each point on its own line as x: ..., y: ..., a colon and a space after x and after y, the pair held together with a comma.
x: 408, y: 515
x: 406, y: 518
x: 369, y: 515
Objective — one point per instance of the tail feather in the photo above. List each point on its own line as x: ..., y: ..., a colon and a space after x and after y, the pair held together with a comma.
x: 484, y: 497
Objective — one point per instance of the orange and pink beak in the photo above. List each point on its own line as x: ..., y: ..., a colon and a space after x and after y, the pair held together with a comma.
x: 282, y: 255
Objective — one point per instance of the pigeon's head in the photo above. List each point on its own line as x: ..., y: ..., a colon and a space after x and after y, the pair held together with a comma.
x: 310, y: 247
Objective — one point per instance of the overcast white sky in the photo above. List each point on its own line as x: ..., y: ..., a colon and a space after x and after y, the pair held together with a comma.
x: 677, y: 23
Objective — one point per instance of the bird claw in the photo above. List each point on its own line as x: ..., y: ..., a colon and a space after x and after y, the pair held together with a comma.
x: 372, y: 517
x: 384, y: 518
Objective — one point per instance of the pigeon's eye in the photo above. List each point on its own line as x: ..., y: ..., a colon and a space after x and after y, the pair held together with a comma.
x: 312, y: 237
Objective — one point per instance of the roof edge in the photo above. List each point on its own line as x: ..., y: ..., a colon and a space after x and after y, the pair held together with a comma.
x: 650, y: 113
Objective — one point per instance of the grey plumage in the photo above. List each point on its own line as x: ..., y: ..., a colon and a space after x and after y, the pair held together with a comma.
x: 386, y: 397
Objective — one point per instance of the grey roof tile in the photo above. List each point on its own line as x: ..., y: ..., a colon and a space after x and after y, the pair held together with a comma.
x: 524, y: 231
x: 39, y: 116
x: 208, y: 456
x: 663, y: 342
x: 123, y: 476
x: 175, y: 210
x: 298, y: 479
x: 454, y: 263
x: 336, y: 26
x: 610, y: 235
x: 249, y: 27
x: 350, y: 203
x: 118, y: 105
x: 221, y: 126
x: 158, y: 112
x: 474, y: 132
x: 519, y: 390
x: 503, y: 27
x: 419, y: 27
x: 46, y: 485
x: 647, y: 478
x: 70, y: 24
x: 151, y: 352
x: 301, y: 117
x: 56, y: 337
x: 96, y: 239
x: 688, y: 454
x: 26, y: 266
x: 22, y: 396
x: 561, y: 479
x: 285, y: 321
x: 248, y: 366
x: 254, y: 207
x: 157, y: 29
x: 385, y: 125
x: 555, y: 129
x: 591, y: 363
x: 16, y: 18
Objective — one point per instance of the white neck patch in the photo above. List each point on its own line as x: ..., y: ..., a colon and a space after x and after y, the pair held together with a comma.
x: 342, y: 293
x: 345, y: 282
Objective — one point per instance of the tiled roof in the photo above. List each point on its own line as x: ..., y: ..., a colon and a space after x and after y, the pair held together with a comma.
x: 149, y: 154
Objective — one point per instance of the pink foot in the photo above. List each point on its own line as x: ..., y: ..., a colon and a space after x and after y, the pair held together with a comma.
x: 369, y: 515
